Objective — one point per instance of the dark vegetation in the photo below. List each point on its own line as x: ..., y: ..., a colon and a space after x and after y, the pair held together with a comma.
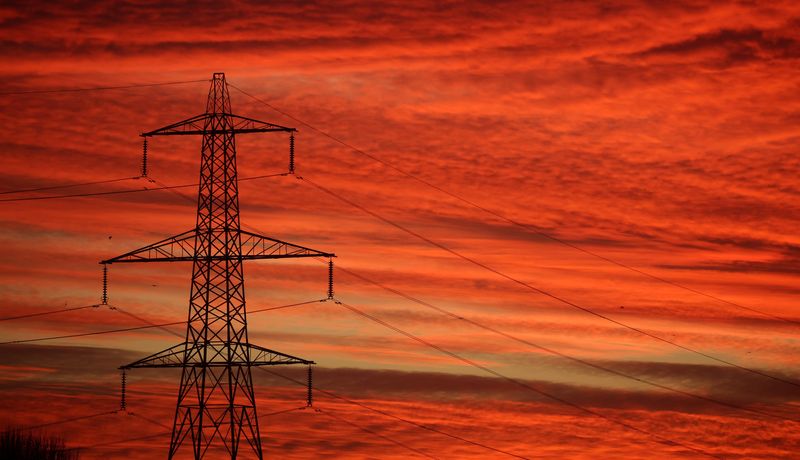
x: 19, y: 444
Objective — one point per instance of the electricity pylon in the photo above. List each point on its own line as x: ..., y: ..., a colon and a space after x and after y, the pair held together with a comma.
x: 216, y: 402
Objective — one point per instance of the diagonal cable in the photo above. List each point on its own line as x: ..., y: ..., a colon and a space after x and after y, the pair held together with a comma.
x: 527, y: 227
x: 542, y: 291
x: 120, y: 192
x: 68, y: 420
x: 137, y: 328
x: 549, y: 350
x: 49, y: 312
x: 565, y: 355
x: 55, y: 187
x: 659, y: 438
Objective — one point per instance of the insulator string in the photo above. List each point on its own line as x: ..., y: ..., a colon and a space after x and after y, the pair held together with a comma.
x: 144, y: 158
x: 310, y: 396
x: 104, y: 298
x: 122, y: 403
x: 330, y: 279
x: 291, y: 153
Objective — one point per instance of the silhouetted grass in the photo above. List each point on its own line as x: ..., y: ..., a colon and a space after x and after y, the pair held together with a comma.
x: 19, y: 444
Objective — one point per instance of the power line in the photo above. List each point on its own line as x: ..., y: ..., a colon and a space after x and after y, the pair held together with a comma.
x: 174, y: 192
x: 162, y: 325
x: 148, y: 419
x: 552, y: 351
x: 117, y: 192
x: 137, y: 328
x: 54, y: 187
x: 501, y: 216
x: 397, y: 417
x: 122, y: 441
x: 596, y: 366
x: 659, y: 438
x: 575, y: 359
x: 542, y: 291
x: 87, y: 334
x: 284, y: 411
x: 97, y: 88
x: 137, y: 191
x: 68, y: 420
x: 281, y: 307
x: 89, y: 194
x: 374, y: 433
x: 564, y: 355
x: 139, y: 318
x: 50, y: 312
x: 194, y: 201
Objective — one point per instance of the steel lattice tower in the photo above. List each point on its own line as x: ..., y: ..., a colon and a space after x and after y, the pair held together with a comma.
x: 216, y: 403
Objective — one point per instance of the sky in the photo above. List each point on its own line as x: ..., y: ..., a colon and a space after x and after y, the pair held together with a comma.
x: 658, y: 138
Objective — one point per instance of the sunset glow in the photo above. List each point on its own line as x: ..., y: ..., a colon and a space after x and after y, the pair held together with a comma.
x: 604, y: 196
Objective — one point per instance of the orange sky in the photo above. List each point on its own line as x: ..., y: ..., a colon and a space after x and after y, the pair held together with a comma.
x: 661, y: 136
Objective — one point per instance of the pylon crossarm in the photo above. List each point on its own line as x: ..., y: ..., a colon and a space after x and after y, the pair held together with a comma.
x: 243, y: 125
x: 197, y: 126
x: 187, y: 126
x: 173, y: 249
x: 260, y: 356
x: 171, y: 357
x: 180, y: 248
x: 175, y: 357
x: 263, y: 247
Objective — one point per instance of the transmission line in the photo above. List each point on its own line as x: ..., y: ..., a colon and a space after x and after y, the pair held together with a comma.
x: 659, y: 438
x: 50, y: 312
x: 527, y: 227
x: 552, y: 351
x: 137, y: 328
x: 259, y: 310
x: 89, y: 194
x: 471, y: 363
x: 189, y: 199
x: 68, y: 420
x: 122, y: 441
x: 174, y: 191
x: 139, y: 318
x: 97, y: 88
x: 117, y: 192
x: 564, y: 355
x: 54, y: 187
x: 87, y: 334
x: 542, y: 291
x: 148, y: 419
x: 547, y: 350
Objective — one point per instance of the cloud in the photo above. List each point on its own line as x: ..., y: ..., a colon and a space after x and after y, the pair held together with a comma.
x: 734, y: 46
x: 457, y: 404
x: 659, y: 135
